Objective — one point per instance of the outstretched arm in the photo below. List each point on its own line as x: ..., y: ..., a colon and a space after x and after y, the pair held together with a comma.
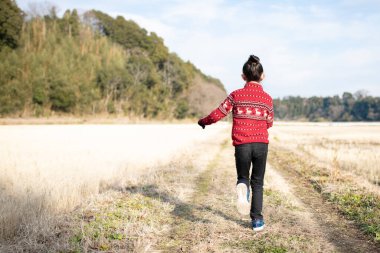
x: 270, y: 116
x: 270, y: 120
x: 219, y: 113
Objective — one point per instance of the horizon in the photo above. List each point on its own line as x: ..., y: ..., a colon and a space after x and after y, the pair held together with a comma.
x: 318, y: 49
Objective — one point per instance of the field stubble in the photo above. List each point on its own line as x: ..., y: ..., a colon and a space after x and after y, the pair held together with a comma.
x: 341, y: 161
x: 198, y: 214
x: 346, y: 148
x: 48, y: 170
x: 185, y: 203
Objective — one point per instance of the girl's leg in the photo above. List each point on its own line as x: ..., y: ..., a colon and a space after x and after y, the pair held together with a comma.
x: 243, y: 164
x: 243, y: 155
x: 259, y: 159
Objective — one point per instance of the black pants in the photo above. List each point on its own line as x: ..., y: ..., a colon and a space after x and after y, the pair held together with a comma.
x: 255, y: 154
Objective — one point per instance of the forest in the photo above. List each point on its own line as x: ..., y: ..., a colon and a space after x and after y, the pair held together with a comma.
x: 348, y: 107
x: 89, y: 64
x: 94, y: 64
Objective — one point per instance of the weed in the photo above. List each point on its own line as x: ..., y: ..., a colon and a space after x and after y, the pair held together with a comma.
x: 113, y: 224
x: 274, y: 197
x: 277, y: 199
x: 266, y: 243
x: 364, y: 208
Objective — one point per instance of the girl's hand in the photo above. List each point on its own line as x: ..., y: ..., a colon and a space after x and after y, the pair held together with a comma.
x: 201, y: 124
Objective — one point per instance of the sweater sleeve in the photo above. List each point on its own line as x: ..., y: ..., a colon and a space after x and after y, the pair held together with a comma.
x: 219, y: 113
x: 270, y: 117
x: 270, y: 120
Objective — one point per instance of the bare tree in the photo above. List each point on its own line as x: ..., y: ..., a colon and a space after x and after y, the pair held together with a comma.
x: 41, y: 9
x: 361, y: 94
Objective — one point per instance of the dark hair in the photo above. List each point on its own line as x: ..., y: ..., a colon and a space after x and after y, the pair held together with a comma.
x: 253, y: 69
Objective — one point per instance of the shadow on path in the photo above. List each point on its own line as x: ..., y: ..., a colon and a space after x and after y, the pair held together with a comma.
x: 181, y: 209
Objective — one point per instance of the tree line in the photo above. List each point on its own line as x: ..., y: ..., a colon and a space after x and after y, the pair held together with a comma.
x: 95, y: 64
x: 89, y: 64
x: 348, y: 107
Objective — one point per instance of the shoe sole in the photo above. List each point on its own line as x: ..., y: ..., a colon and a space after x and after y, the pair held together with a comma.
x: 259, y: 228
x: 242, y: 204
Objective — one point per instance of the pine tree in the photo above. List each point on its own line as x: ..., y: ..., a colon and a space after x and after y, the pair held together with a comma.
x: 11, y: 18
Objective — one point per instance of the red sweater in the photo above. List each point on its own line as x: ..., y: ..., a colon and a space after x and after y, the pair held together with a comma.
x: 252, y: 110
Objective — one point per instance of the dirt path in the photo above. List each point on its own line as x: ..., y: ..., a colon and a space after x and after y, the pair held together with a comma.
x: 319, y: 216
x: 189, y: 206
x: 298, y: 219
x: 207, y: 220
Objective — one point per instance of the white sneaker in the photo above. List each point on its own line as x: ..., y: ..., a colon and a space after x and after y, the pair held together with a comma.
x: 242, y: 203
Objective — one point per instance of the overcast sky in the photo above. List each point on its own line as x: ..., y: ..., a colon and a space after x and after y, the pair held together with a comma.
x: 306, y: 47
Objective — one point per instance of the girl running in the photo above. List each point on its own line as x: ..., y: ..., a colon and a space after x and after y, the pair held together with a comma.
x: 252, y: 110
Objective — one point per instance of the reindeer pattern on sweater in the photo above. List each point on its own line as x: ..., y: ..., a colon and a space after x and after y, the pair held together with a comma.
x: 252, y: 110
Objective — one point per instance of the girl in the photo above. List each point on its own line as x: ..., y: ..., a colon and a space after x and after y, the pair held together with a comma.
x: 252, y: 110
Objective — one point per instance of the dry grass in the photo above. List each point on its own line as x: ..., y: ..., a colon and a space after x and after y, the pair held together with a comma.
x: 164, y: 188
x: 49, y: 170
x: 344, y: 147
x: 195, y: 212
x: 341, y: 161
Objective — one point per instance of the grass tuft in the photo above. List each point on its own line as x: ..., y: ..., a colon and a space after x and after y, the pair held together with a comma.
x: 263, y: 244
x: 361, y: 207
x: 113, y: 225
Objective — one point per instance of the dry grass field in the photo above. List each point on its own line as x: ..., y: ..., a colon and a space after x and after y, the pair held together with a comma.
x: 351, y: 148
x: 170, y: 188
x: 46, y: 170
x: 341, y: 161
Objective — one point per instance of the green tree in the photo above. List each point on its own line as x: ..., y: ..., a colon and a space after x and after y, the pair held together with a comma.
x: 126, y: 71
x: 336, y: 108
x: 74, y: 23
x: 182, y: 109
x: 70, y: 23
x: 13, y: 91
x: 11, y: 18
x: 348, y: 104
x: 313, y: 110
x: 158, y: 52
x: 361, y: 109
x: 125, y: 32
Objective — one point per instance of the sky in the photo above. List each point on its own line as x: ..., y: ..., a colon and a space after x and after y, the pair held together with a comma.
x: 307, y: 48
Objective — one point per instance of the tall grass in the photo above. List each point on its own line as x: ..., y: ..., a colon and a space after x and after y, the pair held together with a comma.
x: 345, y: 148
x: 341, y: 161
x: 49, y: 170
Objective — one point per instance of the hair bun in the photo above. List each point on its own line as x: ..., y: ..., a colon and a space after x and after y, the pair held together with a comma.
x: 253, y: 59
